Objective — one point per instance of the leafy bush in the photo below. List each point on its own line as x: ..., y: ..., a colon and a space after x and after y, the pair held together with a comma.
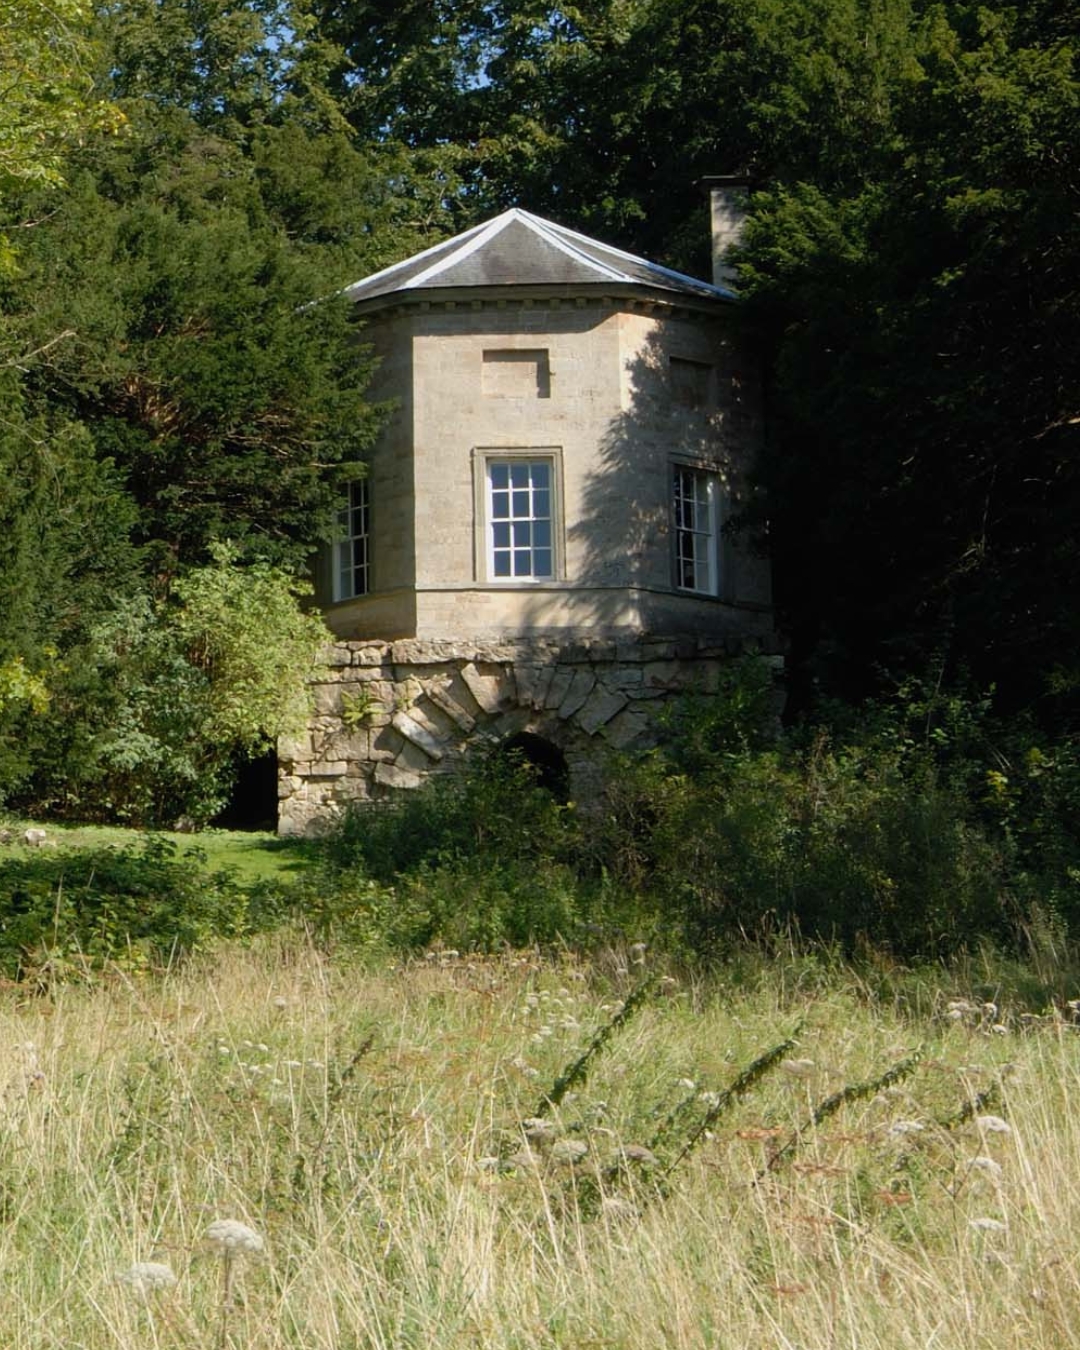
x: 495, y: 811
x: 486, y: 859
x: 148, y: 717
x: 139, y: 906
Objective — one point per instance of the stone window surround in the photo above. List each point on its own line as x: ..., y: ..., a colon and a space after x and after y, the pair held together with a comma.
x: 482, y: 561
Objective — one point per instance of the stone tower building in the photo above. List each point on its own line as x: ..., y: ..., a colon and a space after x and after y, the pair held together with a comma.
x: 537, y: 554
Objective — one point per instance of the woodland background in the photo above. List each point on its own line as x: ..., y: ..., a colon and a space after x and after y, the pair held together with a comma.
x: 180, y: 178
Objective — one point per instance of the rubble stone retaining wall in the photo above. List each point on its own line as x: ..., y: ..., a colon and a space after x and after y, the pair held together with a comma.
x: 390, y: 715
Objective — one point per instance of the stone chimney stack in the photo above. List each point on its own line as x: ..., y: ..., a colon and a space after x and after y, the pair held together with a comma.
x: 728, y: 199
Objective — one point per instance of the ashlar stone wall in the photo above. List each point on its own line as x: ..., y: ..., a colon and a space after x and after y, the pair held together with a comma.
x: 390, y: 715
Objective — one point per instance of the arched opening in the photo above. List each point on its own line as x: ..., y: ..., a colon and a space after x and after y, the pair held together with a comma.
x: 549, y: 762
x: 254, y: 800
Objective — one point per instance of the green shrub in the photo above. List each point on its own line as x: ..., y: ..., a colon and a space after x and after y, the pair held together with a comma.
x: 139, y: 906
x: 494, y: 811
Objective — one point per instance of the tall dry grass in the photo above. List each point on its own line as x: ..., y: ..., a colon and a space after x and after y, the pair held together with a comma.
x: 378, y: 1129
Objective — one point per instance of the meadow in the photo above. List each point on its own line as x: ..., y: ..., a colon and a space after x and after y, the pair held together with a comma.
x: 522, y: 1150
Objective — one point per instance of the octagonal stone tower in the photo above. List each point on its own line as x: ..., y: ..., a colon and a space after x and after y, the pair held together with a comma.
x: 537, y: 554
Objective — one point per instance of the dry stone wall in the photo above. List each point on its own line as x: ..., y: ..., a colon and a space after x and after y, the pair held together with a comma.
x: 390, y: 715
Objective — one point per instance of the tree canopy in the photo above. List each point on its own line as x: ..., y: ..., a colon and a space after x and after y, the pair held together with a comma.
x: 186, y: 184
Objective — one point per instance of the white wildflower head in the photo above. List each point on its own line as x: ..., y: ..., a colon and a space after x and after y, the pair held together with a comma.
x: 570, y: 1150
x: 987, y: 1225
x: 798, y: 1068
x: 536, y: 1127
x: 993, y: 1125
x: 147, y: 1277
x: 230, y: 1237
x: 987, y: 1166
x: 900, y: 1129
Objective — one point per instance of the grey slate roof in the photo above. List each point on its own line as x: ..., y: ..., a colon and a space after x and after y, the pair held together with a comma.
x: 519, y: 249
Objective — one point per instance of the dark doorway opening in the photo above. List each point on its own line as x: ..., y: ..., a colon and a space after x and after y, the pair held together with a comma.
x: 548, y: 761
x: 254, y: 799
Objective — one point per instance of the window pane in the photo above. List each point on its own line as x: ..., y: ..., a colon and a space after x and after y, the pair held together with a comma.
x: 351, y: 552
x: 519, y: 518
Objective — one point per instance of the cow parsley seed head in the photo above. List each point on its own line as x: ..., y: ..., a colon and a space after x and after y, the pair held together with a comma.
x: 988, y: 1165
x: 798, y: 1068
x: 147, y: 1277
x: 569, y: 1150
x: 987, y: 1225
x: 993, y: 1125
x: 900, y: 1128
x: 230, y: 1236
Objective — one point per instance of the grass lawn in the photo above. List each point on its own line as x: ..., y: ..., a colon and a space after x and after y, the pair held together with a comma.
x: 251, y: 854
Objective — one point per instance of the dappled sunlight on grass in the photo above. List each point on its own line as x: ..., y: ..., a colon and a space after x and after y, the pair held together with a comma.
x: 253, y: 854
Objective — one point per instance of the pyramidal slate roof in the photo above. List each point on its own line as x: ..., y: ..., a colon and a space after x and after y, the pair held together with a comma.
x: 520, y: 249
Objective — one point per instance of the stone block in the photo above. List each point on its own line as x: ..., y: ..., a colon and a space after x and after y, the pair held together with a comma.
x: 391, y: 776
x: 411, y: 728
x: 351, y: 745
x: 336, y: 655
x: 385, y: 744
x: 295, y: 747
x: 581, y: 686
x: 630, y: 649
x: 328, y: 699
x: 560, y: 684
x: 541, y: 686
x: 627, y: 729
x: 599, y: 708
x: 526, y: 677
x: 328, y: 768
x: 441, y: 696
x: 406, y: 691
x: 664, y: 675
x: 369, y: 656
x: 488, y: 688
x: 628, y: 679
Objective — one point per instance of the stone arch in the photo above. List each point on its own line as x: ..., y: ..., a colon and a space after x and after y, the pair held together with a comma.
x: 549, y: 762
